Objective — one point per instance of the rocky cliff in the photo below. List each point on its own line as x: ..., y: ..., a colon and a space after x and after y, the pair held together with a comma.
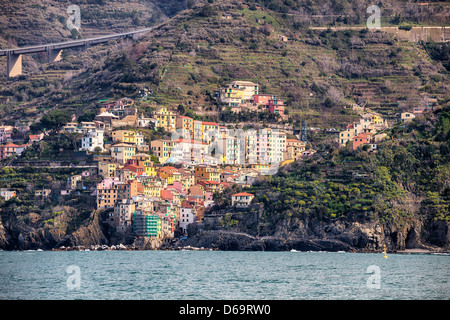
x: 300, y: 235
x: 313, y: 235
x: 15, y: 234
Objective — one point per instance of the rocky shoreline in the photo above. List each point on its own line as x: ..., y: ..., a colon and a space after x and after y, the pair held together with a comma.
x: 122, y: 247
x: 415, y: 237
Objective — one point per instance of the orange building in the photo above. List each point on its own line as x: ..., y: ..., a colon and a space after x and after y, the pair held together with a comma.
x: 262, y: 99
x: 361, y: 139
x: 186, y: 124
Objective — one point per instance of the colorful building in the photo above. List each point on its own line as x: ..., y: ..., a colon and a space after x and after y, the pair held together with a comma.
x: 242, y: 199
x: 165, y: 119
x: 122, y: 152
x: 162, y: 149
x: 146, y: 224
x: 124, y: 136
x: 206, y: 173
x: 92, y: 141
x: 276, y: 106
x: 361, y: 139
x: 186, y: 124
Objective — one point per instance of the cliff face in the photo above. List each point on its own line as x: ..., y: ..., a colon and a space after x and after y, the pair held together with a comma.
x: 313, y: 235
x: 3, y: 237
x: 16, y: 235
x: 301, y: 235
x: 92, y: 233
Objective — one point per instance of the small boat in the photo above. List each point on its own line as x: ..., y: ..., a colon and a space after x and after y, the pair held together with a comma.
x: 293, y: 250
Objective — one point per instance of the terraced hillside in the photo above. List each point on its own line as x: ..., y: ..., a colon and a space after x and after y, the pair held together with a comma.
x: 191, y: 55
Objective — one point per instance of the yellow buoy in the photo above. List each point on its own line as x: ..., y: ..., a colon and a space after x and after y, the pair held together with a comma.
x: 385, y: 255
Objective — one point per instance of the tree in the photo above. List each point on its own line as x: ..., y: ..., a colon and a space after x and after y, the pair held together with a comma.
x: 54, y: 120
x: 207, y: 11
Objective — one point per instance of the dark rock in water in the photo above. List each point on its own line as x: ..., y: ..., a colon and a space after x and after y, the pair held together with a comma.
x: 234, y: 241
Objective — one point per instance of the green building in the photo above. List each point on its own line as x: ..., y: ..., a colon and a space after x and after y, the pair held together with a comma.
x: 146, y: 225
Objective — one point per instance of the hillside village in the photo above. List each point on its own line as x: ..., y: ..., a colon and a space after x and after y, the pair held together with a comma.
x: 157, y: 188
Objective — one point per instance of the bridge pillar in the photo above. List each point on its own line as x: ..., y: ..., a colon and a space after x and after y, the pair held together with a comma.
x: 14, y: 64
x: 54, y: 55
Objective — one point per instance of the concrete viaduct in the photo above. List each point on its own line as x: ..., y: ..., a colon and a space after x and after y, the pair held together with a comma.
x: 54, y: 50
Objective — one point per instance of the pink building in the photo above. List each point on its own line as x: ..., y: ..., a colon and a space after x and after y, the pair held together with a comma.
x: 8, y: 150
x: 108, y: 183
x: 177, y: 185
x: 5, y: 133
x: 276, y: 106
x: 262, y: 98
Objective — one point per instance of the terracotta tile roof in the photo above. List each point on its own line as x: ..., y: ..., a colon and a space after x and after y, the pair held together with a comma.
x: 242, y: 194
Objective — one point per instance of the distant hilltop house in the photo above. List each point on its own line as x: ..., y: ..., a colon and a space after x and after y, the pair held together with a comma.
x: 361, y: 140
x: 242, y: 199
x: 6, y: 133
x: 36, y: 137
x: 117, y: 113
x: 227, y: 16
x: 93, y: 141
x: 238, y: 92
x: 11, y: 149
x: 83, y: 127
x: 145, y: 122
x: 119, y: 104
x: 246, y: 95
x: 44, y: 193
x: 7, y: 194
x: 107, y: 118
x: 407, y: 116
x: 369, y: 123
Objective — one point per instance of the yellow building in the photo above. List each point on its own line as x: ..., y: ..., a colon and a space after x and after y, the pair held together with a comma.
x: 288, y: 161
x: 155, y: 190
x: 122, y: 152
x: 294, y: 149
x: 106, y: 169
x: 232, y: 96
x: 198, y: 130
x: 125, y: 136
x: 149, y: 169
x: 165, y: 119
x: 209, y: 131
x: 186, y: 124
x: 206, y: 173
x: 162, y: 149
x: 144, y: 160
x: 238, y: 92
x: 260, y: 167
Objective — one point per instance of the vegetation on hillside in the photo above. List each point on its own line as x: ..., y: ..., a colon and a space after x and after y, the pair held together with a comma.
x: 186, y: 59
x: 407, y: 177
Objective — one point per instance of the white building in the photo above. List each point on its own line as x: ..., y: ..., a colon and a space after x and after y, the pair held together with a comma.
x: 140, y: 139
x: 242, y: 199
x: 186, y: 216
x: 144, y: 122
x: 407, y: 116
x: 92, y: 140
x: 7, y: 194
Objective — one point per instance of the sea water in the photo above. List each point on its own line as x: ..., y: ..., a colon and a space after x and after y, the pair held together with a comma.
x: 217, y: 275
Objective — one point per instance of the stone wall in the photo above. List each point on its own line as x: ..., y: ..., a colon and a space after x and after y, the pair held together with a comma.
x: 416, y: 34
